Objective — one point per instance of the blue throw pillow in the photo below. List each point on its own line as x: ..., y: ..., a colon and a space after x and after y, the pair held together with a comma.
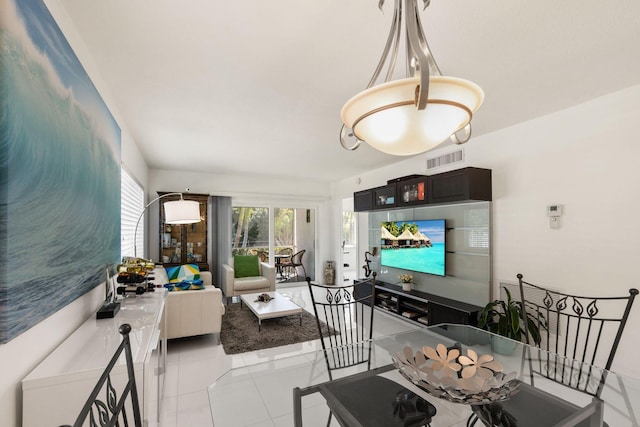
x: 185, y: 285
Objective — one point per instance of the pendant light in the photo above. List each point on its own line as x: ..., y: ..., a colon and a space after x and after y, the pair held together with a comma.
x: 414, y: 114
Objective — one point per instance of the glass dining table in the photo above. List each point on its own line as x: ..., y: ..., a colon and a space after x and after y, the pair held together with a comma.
x: 296, y: 390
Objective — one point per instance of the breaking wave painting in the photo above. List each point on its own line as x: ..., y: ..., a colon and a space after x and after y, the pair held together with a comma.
x: 59, y: 172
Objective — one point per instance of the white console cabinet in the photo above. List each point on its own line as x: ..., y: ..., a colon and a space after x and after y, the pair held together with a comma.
x: 55, y: 391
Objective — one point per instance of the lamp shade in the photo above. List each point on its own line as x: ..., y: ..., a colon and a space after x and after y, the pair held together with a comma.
x: 181, y: 212
x: 386, y: 117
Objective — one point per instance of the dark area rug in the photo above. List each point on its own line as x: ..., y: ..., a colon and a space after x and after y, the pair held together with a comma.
x: 240, y: 330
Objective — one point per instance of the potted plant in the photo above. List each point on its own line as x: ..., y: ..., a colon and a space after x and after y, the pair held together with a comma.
x: 505, y: 318
x: 407, y: 281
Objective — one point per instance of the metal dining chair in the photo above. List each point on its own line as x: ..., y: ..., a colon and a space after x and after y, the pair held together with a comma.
x: 578, y: 332
x: 348, y: 311
x: 111, y: 411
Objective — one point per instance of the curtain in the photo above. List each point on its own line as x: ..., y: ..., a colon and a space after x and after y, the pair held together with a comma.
x: 220, y: 236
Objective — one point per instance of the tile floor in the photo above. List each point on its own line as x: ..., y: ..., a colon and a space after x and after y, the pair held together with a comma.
x: 193, y: 364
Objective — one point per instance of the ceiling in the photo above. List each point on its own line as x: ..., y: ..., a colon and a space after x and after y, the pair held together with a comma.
x: 256, y: 87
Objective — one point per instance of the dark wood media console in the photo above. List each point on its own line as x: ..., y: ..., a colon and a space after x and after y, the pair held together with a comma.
x: 423, y: 308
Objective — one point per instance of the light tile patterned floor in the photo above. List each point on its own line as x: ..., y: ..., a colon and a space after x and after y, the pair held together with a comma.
x: 193, y: 364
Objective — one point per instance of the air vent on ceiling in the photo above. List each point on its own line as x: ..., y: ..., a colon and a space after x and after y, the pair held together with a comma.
x: 446, y: 159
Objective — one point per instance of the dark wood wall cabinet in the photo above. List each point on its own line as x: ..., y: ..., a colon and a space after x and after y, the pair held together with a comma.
x: 412, y: 191
x: 187, y: 243
x: 458, y: 185
x: 421, y: 307
x: 363, y: 200
x: 384, y: 197
x: 454, y: 186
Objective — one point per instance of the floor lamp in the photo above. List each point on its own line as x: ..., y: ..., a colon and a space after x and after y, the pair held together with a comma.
x: 175, y: 212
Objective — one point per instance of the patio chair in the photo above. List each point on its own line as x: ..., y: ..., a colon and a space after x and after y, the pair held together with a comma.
x: 584, y: 331
x: 348, y: 311
x: 285, y: 251
x: 296, y: 261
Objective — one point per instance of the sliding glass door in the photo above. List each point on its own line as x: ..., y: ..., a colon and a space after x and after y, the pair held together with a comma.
x: 281, y: 236
x: 250, y: 231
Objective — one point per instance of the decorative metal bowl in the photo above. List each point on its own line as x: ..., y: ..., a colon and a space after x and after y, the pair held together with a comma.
x: 445, y: 373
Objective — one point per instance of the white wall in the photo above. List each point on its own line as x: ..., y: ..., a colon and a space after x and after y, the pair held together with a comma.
x: 585, y: 158
x: 20, y: 355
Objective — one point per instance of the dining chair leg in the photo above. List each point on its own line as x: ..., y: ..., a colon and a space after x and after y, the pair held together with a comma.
x: 297, y: 407
x: 597, y: 418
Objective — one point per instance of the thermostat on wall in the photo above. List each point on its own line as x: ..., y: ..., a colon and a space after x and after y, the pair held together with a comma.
x: 554, y: 210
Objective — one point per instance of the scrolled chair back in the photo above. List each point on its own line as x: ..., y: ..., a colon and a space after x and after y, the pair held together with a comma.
x: 348, y: 312
x: 112, y: 410
x: 577, y: 331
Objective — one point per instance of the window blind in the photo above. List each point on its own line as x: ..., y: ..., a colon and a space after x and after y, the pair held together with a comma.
x: 131, y: 207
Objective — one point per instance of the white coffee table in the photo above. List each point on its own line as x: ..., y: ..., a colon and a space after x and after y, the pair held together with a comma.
x: 279, y: 306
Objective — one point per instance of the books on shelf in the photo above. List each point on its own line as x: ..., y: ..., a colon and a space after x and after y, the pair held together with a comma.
x: 410, y: 314
x: 423, y: 320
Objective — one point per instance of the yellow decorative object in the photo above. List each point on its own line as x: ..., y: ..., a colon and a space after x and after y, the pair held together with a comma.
x: 134, y: 270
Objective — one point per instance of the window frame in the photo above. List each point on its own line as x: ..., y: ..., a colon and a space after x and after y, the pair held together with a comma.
x: 132, y: 203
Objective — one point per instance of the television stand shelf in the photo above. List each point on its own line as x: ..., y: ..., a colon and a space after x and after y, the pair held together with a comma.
x: 422, y: 307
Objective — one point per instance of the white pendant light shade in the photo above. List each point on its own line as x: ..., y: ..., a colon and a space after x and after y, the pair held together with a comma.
x: 416, y: 113
x: 182, y: 212
x: 386, y: 117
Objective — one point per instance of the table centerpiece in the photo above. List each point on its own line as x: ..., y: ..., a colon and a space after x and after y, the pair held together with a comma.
x: 445, y: 373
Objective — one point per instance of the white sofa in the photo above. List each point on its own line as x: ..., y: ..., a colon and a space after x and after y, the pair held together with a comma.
x: 233, y: 286
x: 195, y: 312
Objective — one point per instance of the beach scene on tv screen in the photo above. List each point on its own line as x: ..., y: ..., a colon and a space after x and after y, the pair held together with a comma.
x: 414, y: 245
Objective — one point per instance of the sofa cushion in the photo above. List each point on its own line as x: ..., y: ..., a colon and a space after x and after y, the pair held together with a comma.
x: 251, y: 283
x: 245, y: 266
x: 183, y: 272
x: 194, y: 313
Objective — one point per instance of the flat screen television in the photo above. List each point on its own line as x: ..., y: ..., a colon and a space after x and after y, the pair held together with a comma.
x: 414, y: 245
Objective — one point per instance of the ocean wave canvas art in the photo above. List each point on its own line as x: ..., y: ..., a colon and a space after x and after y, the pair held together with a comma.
x: 59, y: 172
